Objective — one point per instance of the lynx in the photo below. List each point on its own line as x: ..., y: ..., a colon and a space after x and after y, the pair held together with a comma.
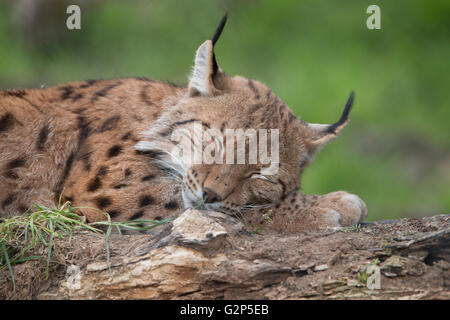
x: 106, y: 147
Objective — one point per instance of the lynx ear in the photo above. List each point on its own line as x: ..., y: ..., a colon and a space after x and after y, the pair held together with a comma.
x: 321, y: 134
x: 200, y: 81
x: 205, y: 68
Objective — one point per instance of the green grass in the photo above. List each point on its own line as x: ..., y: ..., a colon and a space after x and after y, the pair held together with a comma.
x: 355, y: 228
x: 19, y: 235
x: 363, y: 275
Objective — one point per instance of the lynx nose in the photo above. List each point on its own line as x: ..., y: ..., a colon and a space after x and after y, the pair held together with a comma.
x: 209, y: 196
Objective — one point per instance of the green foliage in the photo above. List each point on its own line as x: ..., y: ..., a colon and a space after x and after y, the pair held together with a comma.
x: 363, y: 275
x: 395, y: 151
x: 355, y: 228
x: 19, y: 235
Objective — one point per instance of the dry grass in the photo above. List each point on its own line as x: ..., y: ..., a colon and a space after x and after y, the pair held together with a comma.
x: 21, y: 235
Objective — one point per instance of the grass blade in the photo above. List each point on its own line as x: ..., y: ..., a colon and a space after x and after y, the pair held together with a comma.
x: 8, y: 263
x: 108, y: 233
x: 49, y: 250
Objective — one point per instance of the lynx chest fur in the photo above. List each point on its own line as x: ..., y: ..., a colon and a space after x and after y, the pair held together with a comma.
x: 106, y: 146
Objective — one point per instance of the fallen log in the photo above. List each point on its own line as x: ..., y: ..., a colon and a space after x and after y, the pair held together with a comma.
x: 209, y: 255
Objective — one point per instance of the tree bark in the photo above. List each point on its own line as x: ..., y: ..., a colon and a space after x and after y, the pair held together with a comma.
x: 209, y: 255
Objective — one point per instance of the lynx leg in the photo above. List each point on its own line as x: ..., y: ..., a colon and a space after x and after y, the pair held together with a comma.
x: 299, y: 212
x: 351, y: 208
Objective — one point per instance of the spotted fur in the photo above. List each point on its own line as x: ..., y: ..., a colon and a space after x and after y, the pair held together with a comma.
x: 105, y: 146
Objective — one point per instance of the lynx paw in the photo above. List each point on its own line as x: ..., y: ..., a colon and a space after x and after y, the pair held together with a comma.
x: 351, y: 209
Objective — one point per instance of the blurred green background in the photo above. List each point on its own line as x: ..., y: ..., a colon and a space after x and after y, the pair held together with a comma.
x: 395, y: 153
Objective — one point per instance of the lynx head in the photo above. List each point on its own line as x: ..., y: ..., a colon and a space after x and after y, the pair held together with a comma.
x: 225, y: 117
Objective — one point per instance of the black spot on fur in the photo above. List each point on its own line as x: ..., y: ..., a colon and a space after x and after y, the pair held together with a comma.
x: 68, y: 198
x: 166, y: 132
x: 145, y: 201
x: 42, y: 138
x: 85, y: 156
x: 77, y: 97
x: 169, y: 130
x: 172, y: 205
x: 154, y: 154
x: 113, y: 213
x: 102, y: 171
x: 88, y: 84
x: 103, y: 92
x: 158, y: 218
x: 65, y: 175
x: 255, y: 108
x: 103, y: 202
x: 109, y: 123
x: 173, y: 84
x: 11, y: 175
x: 143, y: 79
x: 84, y: 128
x: 8, y: 200
x: 291, y: 117
x: 137, y: 215
x: 284, y: 189
x: 79, y: 110
x: 18, y: 162
x: 67, y: 167
x: 126, y: 136
x: 144, y: 96
x: 128, y: 172
x: 6, y: 122
x: 148, y: 177
x: 94, y: 184
x: 13, y: 164
x: 253, y: 88
x: 19, y: 93
x: 120, y: 186
x: 66, y: 92
x: 114, y: 151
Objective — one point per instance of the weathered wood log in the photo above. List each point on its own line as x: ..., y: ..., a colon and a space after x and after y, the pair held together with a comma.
x: 209, y: 255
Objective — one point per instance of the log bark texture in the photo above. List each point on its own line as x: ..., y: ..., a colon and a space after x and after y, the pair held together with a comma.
x: 209, y: 255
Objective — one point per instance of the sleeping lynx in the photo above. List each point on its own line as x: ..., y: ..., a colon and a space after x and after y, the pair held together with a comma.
x: 107, y: 144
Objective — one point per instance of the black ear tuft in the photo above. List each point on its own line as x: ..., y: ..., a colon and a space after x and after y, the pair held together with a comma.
x: 219, y: 29
x: 344, y: 116
x: 215, y: 38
